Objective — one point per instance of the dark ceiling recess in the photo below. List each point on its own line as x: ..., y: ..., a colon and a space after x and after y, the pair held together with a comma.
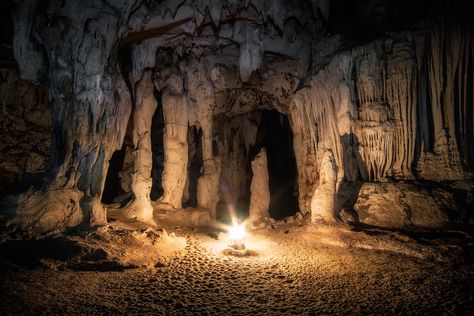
x: 361, y: 21
x: 7, y: 59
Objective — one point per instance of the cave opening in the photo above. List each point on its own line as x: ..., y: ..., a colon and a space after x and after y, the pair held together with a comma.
x: 195, y: 163
x: 242, y: 137
x: 281, y: 163
x: 117, y: 181
x: 112, y: 186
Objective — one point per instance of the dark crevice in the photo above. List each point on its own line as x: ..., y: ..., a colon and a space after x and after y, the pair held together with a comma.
x: 158, y: 153
x: 282, y: 171
x: 112, y: 187
x: 194, y: 164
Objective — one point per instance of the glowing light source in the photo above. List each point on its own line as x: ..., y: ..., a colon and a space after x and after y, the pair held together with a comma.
x: 237, y: 236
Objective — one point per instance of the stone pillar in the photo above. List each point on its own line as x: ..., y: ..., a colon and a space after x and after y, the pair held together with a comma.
x: 175, y: 146
x: 323, y: 200
x: 145, y: 106
x: 208, y: 185
x: 259, y: 191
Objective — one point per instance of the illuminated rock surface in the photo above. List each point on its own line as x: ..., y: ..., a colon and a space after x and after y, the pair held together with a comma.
x: 259, y: 192
x: 340, y: 124
x: 394, y: 104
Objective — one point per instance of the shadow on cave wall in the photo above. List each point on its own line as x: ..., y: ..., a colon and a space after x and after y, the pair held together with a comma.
x: 354, y: 172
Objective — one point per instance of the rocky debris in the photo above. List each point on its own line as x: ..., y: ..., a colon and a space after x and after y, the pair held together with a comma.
x: 112, y: 248
x: 412, y: 205
x: 189, y: 217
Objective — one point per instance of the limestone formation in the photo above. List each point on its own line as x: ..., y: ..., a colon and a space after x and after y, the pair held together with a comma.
x: 396, y: 106
x: 259, y: 191
x: 25, y: 128
x: 145, y: 105
x: 400, y: 206
x: 208, y: 186
x: 323, y: 200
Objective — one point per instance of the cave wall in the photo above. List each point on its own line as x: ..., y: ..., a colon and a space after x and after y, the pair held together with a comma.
x: 396, y: 106
x: 388, y: 109
x: 25, y: 128
x: 90, y: 108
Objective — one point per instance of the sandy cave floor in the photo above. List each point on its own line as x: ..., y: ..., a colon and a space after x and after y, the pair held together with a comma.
x: 291, y: 272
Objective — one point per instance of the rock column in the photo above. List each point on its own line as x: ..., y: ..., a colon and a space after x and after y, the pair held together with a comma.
x: 175, y: 145
x: 259, y: 191
x: 323, y: 200
x: 141, y: 208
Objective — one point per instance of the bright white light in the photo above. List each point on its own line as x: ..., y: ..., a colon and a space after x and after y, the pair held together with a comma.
x: 237, y: 232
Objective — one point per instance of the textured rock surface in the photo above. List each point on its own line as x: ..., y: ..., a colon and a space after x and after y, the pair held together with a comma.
x: 90, y: 108
x: 322, y: 202
x: 145, y: 105
x: 404, y: 205
x: 393, y: 106
x: 25, y: 128
x: 175, y: 145
x: 259, y: 191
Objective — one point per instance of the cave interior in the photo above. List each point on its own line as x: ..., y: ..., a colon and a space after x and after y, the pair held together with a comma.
x: 151, y: 127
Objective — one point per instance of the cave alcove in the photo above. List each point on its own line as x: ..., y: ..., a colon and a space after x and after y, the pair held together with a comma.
x: 282, y: 172
x: 246, y: 135
x: 194, y: 166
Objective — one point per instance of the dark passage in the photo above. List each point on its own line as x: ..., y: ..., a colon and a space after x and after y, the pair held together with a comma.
x: 194, y: 164
x: 112, y: 187
x: 278, y: 142
x: 158, y: 152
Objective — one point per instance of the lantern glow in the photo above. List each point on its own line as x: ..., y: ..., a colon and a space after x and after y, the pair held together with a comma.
x: 237, y: 236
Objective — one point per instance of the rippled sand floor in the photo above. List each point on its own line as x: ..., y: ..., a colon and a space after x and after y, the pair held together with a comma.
x: 287, y: 275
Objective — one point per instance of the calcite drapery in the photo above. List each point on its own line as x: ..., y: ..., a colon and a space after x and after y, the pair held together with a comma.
x: 90, y: 103
x: 396, y: 107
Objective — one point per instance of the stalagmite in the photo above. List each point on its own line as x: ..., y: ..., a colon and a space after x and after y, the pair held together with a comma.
x: 208, y: 186
x: 259, y: 191
x: 202, y: 99
x: 323, y: 200
x: 175, y: 144
x: 145, y: 105
x: 397, y: 107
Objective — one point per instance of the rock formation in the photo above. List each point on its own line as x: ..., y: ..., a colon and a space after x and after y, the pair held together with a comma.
x: 394, y: 104
x: 145, y: 105
x: 324, y: 196
x: 25, y: 128
x: 259, y: 191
